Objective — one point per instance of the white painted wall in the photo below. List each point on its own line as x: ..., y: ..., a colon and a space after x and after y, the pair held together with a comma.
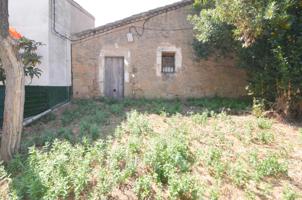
x: 31, y: 19
x: 34, y: 20
x: 81, y: 19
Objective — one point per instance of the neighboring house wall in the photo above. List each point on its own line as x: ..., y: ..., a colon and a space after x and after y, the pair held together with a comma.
x: 69, y: 18
x: 34, y: 19
x: 31, y: 19
x: 142, y: 75
x: 81, y: 19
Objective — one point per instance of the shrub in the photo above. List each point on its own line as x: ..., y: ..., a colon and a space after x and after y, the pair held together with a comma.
x: 200, y: 119
x: 5, y: 183
x: 270, y: 166
x: 100, y: 117
x: 238, y: 175
x: 69, y: 116
x: 122, y: 163
x: 168, y: 154
x: 88, y: 130
x: 258, y: 107
x: 137, y: 124
x: 58, y: 173
x: 105, y: 183
x: 264, y: 123
x: 116, y: 108
x: 66, y: 133
x: 143, y: 187
x: 289, y: 194
x: 214, y: 194
x: 183, y: 187
x: 218, y: 104
x: 213, y: 160
x: 240, y: 29
x: 265, y: 137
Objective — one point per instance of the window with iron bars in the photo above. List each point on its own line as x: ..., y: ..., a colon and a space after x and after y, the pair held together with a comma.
x: 168, y: 62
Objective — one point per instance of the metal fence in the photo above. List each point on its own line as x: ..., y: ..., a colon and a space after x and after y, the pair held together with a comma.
x: 38, y: 99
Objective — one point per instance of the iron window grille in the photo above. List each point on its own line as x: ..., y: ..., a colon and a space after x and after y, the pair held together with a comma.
x: 168, y: 62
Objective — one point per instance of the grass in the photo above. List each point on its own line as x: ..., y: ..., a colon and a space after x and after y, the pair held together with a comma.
x: 155, y: 149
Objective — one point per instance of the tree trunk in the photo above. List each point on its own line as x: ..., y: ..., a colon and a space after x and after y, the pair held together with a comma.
x: 14, y: 89
x: 14, y: 101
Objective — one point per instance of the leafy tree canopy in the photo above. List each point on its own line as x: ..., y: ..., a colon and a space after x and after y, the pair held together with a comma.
x: 28, y: 52
x: 265, y: 36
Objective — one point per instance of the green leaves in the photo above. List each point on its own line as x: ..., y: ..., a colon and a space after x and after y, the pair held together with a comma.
x: 266, y: 38
x: 28, y: 52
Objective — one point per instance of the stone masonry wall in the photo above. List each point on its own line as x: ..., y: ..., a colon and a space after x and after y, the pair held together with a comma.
x: 143, y: 77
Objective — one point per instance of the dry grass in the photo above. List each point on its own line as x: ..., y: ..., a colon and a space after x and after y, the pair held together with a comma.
x: 229, y: 156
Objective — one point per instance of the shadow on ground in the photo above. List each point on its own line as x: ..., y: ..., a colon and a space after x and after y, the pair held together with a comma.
x: 98, y: 118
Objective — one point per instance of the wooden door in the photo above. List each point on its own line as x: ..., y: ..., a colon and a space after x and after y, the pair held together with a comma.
x: 114, y: 77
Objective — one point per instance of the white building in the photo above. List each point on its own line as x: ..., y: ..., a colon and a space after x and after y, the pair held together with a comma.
x: 50, y: 22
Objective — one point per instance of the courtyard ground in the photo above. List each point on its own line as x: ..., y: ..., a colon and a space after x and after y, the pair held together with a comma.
x: 156, y: 149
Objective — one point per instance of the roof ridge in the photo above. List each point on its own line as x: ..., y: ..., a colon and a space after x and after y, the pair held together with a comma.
x: 132, y: 19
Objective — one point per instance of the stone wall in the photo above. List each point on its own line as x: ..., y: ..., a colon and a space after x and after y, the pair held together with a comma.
x: 143, y: 77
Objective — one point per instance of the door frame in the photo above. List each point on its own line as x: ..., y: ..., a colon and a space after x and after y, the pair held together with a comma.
x: 113, y: 52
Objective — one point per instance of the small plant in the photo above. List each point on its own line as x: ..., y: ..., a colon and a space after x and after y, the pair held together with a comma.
x: 218, y: 104
x: 169, y: 107
x: 264, y: 123
x: 116, y: 108
x: 182, y: 187
x: 137, y: 124
x: 214, y: 194
x: 134, y: 144
x: 270, y: 166
x: 214, y: 162
x: 68, y: 116
x: 17, y: 165
x: 168, y: 154
x: 88, y: 130
x: 238, y: 175
x: 200, y: 119
x: 249, y: 194
x: 105, y: 183
x: 143, y: 187
x: 289, y: 194
x: 5, y: 183
x: 265, y: 137
x: 258, y: 107
x: 65, y: 166
x: 100, y: 117
x: 66, y: 133
x: 156, y: 157
x: 47, y: 136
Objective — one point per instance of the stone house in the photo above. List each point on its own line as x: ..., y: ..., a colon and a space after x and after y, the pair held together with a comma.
x: 51, y: 22
x: 150, y: 55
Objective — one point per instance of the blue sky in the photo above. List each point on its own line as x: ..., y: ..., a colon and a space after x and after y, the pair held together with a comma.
x: 106, y: 11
